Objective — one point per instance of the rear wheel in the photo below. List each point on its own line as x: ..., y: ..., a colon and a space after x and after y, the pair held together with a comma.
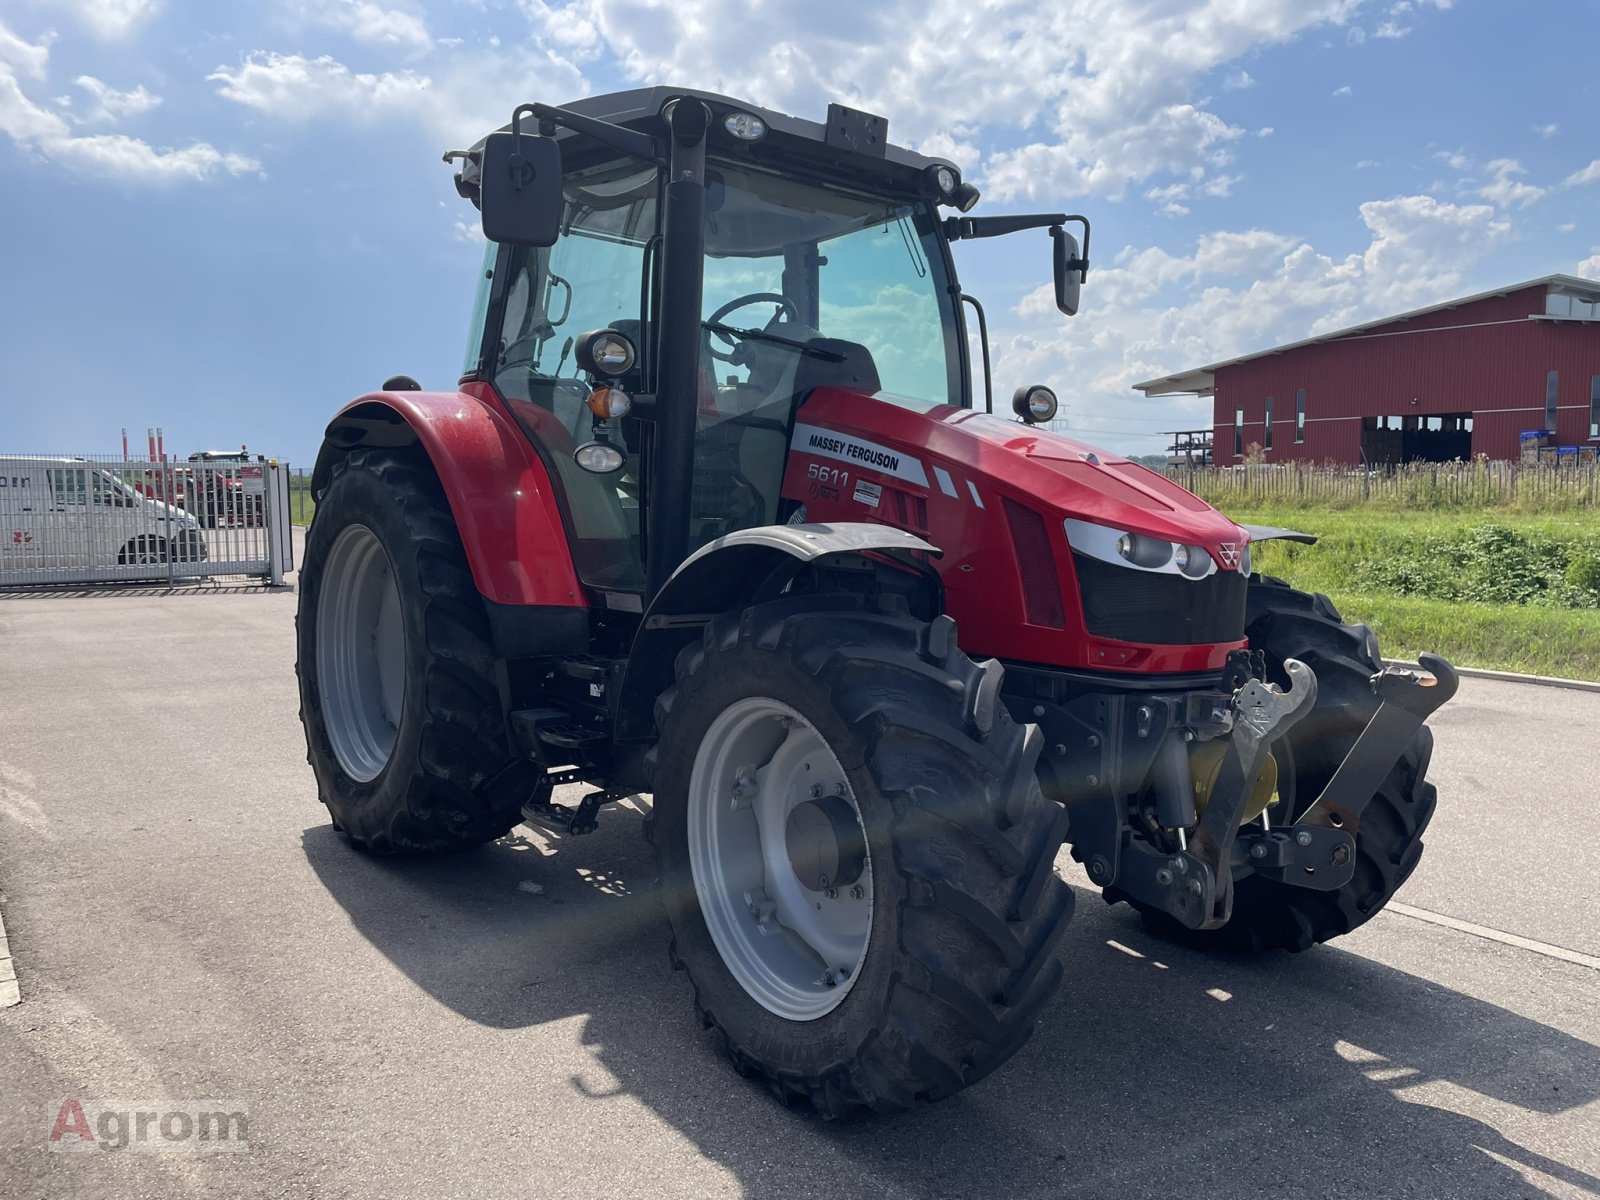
x: 855, y: 857
x: 1286, y: 623
x: 143, y: 551
x: 398, y: 694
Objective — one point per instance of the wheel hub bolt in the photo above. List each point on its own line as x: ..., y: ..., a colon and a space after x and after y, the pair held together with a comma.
x: 1164, y: 877
x: 816, y: 791
x: 1341, y: 855
x: 1258, y: 851
x: 1195, y: 887
x: 856, y: 893
x: 1303, y: 838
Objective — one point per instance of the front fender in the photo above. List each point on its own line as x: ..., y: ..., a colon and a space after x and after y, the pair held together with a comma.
x: 499, y: 491
x: 732, y: 572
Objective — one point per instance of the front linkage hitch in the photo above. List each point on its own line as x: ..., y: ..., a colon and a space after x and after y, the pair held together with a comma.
x: 1195, y: 885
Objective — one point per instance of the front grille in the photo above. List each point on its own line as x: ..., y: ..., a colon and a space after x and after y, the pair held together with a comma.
x: 1169, y: 610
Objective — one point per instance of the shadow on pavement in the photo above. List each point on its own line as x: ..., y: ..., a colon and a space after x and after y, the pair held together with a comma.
x: 1157, y: 1071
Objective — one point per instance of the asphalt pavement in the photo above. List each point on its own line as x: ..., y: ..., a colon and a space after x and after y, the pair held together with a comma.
x: 185, y: 925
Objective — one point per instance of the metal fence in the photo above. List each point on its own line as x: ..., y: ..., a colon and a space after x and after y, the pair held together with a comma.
x: 72, y: 520
x: 1483, y: 484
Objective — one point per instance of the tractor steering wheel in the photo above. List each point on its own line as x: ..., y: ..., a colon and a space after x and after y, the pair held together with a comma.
x: 786, y: 305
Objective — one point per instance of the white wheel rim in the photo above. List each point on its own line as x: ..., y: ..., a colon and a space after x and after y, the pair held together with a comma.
x: 796, y: 950
x: 361, y: 676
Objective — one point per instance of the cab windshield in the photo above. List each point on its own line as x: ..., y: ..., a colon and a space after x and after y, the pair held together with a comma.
x: 836, y: 265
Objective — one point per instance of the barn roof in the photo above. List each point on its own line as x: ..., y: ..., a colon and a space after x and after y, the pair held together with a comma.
x: 1201, y: 381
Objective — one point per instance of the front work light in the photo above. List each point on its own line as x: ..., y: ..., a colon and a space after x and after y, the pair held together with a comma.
x: 747, y: 127
x: 605, y: 352
x: 1034, y: 404
x: 598, y: 458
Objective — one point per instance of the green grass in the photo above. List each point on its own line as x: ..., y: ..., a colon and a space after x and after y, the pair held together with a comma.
x: 1436, y: 581
x: 301, y: 506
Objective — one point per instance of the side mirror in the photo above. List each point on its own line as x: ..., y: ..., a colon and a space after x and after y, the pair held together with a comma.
x: 1069, y: 270
x: 519, y: 189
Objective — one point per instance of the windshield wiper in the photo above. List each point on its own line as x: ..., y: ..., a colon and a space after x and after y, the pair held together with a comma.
x: 762, y: 335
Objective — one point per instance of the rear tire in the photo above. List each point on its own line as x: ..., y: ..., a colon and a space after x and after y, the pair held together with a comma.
x: 1270, y: 915
x: 143, y: 551
x: 965, y: 906
x: 435, y: 779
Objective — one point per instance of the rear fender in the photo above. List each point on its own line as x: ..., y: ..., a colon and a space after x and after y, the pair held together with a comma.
x: 736, y: 571
x: 499, y: 492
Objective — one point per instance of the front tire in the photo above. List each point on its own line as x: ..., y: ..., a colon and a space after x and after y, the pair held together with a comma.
x: 945, y: 958
x: 404, y: 726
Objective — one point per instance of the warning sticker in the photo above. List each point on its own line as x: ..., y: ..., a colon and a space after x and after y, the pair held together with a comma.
x: 867, y: 493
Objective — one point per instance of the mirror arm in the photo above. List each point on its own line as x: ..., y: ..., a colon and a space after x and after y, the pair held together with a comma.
x: 957, y: 228
x: 628, y: 141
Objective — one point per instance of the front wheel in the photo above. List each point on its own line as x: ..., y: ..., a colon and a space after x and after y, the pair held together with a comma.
x: 855, y: 857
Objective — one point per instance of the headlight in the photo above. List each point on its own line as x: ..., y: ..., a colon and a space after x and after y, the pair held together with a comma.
x: 1244, y: 561
x: 1192, y: 561
x: 1138, y: 550
x: 1147, y: 552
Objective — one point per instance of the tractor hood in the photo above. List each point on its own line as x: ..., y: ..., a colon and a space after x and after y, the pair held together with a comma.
x: 1035, y: 467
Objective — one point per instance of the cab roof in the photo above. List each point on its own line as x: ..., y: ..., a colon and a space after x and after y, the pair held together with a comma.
x: 849, y: 144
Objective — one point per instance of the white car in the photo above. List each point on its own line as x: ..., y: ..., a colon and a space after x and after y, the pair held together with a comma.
x: 70, y: 519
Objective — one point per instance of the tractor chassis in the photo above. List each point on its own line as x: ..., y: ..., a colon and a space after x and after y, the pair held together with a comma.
x: 1101, y: 747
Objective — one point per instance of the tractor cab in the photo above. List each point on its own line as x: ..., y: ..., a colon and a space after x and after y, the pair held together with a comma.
x: 814, y: 270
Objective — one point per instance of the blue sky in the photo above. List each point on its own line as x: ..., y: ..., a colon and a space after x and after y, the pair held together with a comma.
x: 229, y: 218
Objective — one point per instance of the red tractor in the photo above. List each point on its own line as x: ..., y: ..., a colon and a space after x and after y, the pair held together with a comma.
x: 714, y: 515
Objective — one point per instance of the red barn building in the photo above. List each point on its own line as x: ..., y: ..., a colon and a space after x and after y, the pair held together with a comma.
x: 1454, y: 380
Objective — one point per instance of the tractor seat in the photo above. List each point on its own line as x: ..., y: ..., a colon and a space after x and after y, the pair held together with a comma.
x: 740, y: 460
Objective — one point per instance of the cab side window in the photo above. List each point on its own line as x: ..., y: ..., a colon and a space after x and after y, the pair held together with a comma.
x: 108, y: 493
x: 68, y: 488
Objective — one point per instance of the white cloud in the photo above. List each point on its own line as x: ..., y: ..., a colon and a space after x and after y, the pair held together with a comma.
x: 1589, y: 174
x: 1367, y: 164
x: 1504, y: 189
x: 27, y: 58
x: 1170, y: 199
x: 1589, y: 268
x: 113, y: 20
x: 109, y: 104
x: 1154, y: 312
x: 459, y: 102
x: 1093, y: 97
x: 368, y: 22
x: 1547, y: 131
x: 1343, y: 91
x: 1238, y: 81
x: 47, y: 134
x: 297, y: 88
x: 1566, y: 227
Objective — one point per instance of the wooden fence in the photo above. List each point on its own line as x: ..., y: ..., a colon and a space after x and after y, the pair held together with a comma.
x: 1464, y: 485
